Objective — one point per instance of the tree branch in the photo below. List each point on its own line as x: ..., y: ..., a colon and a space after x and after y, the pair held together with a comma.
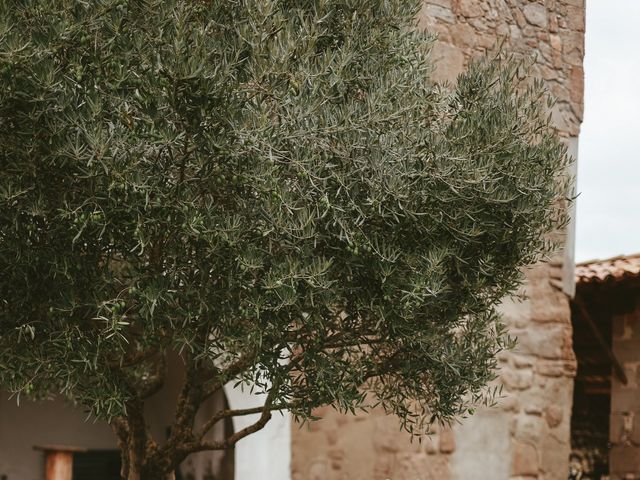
x: 239, y: 435
x: 238, y: 413
x: 230, y: 372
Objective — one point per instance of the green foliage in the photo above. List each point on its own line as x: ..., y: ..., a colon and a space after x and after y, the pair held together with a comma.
x: 273, y: 188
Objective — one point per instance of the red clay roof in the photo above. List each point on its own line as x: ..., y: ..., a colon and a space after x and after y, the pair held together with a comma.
x: 616, y: 268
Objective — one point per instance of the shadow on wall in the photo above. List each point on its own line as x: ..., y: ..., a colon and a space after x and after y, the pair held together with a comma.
x: 55, y: 425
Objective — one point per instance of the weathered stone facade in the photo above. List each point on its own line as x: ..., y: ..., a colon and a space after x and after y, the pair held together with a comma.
x: 528, y: 435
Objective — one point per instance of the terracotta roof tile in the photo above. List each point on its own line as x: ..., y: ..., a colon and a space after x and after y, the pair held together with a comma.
x: 612, y: 269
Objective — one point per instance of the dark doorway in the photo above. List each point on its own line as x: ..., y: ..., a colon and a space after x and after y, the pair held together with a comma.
x: 592, y: 392
x: 96, y: 465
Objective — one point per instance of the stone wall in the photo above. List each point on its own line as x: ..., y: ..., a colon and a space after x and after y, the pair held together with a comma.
x: 624, y: 456
x: 528, y: 435
x: 552, y: 30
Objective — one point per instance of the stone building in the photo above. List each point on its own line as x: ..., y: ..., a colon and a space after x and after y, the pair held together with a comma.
x: 528, y: 435
x: 606, y: 414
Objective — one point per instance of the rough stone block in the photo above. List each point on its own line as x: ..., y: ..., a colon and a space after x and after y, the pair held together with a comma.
x: 635, y: 432
x: 525, y: 459
x: 319, y: 469
x: 533, y: 409
x: 546, y: 341
x: 385, y: 429
x: 447, y: 440
x: 523, y: 361
x: 573, y: 51
x: 624, y: 429
x: 516, y: 379
x: 420, y: 466
x: 549, y: 304
x: 449, y: 61
x: 429, y: 445
x: 554, y: 458
x: 382, y: 467
x: 515, y: 32
x: 342, y: 420
x: 553, y: 414
x: 624, y: 459
x: 510, y: 403
x: 565, y: 119
x: 438, y: 12
x: 536, y: 14
x: 469, y: 8
x: 550, y: 368
x: 555, y: 41
x: 624, y: 400
x: 549, y: 74
x: 464, y: 35
x: 431, y: 24
x: 528, y: 428
x: 332, y: 436
x: 336, y: 457
x: 482, y: 446
x: 632, y: 371
x: 516, y: 312
x: 442, y: 3
x: 576, y: 83
x: 575, y: 3
x: 315, y: 426
x: 575, y: 18
x: 621, y: 426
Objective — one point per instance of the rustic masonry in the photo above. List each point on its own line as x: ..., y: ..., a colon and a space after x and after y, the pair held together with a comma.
x: 528, y: 435
x: 606, y: 319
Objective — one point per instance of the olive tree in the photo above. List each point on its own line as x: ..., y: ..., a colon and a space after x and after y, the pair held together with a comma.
x: 276, y: 191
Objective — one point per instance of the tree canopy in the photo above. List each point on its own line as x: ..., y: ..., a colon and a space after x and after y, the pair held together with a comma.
x: 276, y: 190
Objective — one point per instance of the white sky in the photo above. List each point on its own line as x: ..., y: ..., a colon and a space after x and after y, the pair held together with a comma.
x: 608, y: 217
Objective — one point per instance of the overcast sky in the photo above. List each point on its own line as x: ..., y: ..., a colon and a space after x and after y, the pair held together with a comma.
x: 608, y: 218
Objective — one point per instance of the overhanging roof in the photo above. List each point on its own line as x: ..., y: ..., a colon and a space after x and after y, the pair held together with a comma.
x: 613, y: 269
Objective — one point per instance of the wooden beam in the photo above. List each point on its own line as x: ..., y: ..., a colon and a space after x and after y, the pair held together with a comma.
x: 58, y: 461
x: 601, y: 369
x: 598, y: 390
x: 604, y: 345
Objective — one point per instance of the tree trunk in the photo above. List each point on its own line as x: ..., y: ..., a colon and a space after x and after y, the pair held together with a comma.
x: 150, y: 476
x: 134, y: 467
x: 138, y: 451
